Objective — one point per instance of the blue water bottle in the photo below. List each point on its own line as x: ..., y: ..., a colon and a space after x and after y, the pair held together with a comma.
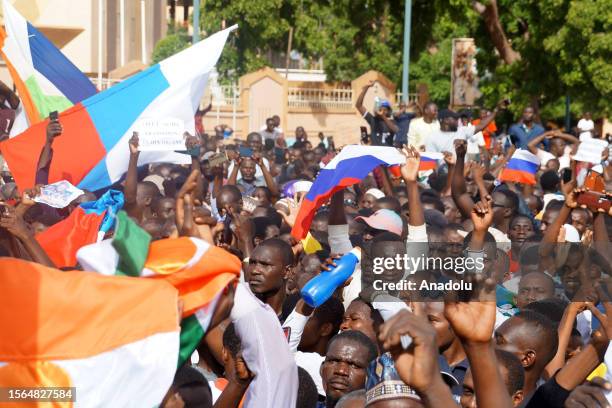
x: 322, y: 287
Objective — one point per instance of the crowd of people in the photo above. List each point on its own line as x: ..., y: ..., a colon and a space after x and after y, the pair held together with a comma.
x: 532, y: 329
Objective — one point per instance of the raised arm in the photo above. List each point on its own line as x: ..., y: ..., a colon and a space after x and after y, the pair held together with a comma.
x: 473, y: 322
x: 206, y: 109
x: 564, y: 331
x: 533, y: 144
x: 458, y: 190
x: 409, y: 172
x: 417, y: 366
x: 131, y: 180
x: 488, y: 119
x: 359, y: 103
x: 54, y: 129
x: 267, y: 176
x: 231, y: 180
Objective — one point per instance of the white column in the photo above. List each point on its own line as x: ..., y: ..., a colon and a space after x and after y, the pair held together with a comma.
x: 122, y: 31
x: 143, y: 32
x: 234, y: 100
x: 100, y: 40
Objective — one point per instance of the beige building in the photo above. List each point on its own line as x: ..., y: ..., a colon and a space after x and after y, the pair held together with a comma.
x: 84, y: 30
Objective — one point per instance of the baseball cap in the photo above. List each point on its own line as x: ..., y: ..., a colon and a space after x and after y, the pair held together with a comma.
x: 158, y: 181
x: 376, y: 193
x: 571, y: 233
x: 385, y: 104
x: 447, y: 113
x: 385, y: 220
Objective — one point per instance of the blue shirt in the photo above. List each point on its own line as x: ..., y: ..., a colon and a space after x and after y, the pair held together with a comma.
x: 403, y: 122
x: 521, y: 135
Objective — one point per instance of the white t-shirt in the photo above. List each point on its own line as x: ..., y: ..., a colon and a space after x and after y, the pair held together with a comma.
x: 258, y: 172
x: 311, y: 362
x: 564, y: 161
x: 441, y: 141
x: 586, y: 126
x: 475, y: 142
x: 420, y: 132
x: 275, y: 134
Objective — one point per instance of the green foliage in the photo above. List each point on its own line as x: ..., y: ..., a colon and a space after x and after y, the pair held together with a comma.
x: 175, y: 41
x: 565, y: 45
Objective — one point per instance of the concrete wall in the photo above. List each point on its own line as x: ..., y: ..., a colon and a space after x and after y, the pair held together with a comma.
x: 265, y: 93
x: 82, y: 16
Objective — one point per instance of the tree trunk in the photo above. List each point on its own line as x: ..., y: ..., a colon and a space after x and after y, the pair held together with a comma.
x: 490, y: 16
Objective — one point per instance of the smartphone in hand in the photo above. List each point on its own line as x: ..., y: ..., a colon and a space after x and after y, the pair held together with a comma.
x: 54, y: 116
x: 245, y: 151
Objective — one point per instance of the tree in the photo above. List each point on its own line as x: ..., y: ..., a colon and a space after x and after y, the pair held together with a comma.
x: 559, y: 47
x: 533, y: 51
x: 176, y: 40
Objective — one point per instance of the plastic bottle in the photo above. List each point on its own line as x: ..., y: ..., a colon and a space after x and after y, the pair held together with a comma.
x: 376, y: 103
x: 322, y: 287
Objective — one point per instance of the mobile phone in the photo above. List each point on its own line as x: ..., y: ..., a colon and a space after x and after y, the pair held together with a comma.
x: 245, y: 151
x: 364, y: 134
x: 53, y: 116
x: 594, y: 201
x: 566, y: 175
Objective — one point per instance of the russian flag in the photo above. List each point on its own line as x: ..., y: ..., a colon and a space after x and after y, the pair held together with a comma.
x: 45, y: 79
x: 349, y: 167
x: 92, y: 152
x: 521, y: 168
x: 87, y: 224
x: 429, y: 160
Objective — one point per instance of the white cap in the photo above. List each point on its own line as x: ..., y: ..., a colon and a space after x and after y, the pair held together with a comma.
x: 302, y: 186
x: 376, y: 193
x: 571, y: 233
x: 501, y: 239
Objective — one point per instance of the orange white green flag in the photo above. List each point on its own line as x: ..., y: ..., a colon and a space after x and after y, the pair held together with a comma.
x: 197, y: 269
x: 114, y: 339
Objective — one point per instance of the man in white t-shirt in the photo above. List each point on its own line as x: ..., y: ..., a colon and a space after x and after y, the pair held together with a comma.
x: 443, y: 140
x: 421, y: 129
x: 271, y: 131
x: 560, y: 147
x: 585, y: 127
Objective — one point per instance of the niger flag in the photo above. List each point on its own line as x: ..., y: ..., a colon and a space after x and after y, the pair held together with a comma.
x: 114, y: 339
x: 197, y: 269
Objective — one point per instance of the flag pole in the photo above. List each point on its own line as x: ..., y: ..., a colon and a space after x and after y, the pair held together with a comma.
x: 196, y: 21
x: 405, y: 68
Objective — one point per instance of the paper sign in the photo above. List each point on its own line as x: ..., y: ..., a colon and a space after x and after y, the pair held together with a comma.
x: 160, y: 134
x: 590, y: 151
x: 58, y: 195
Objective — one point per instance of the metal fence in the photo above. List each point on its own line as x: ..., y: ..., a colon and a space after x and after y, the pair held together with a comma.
x: 105, y: 83
x: 316, y: 98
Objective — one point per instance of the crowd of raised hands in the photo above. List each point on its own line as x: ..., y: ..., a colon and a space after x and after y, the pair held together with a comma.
x: 530, y: 327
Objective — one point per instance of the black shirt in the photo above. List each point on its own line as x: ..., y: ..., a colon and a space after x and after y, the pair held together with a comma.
x: 380, y: 132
